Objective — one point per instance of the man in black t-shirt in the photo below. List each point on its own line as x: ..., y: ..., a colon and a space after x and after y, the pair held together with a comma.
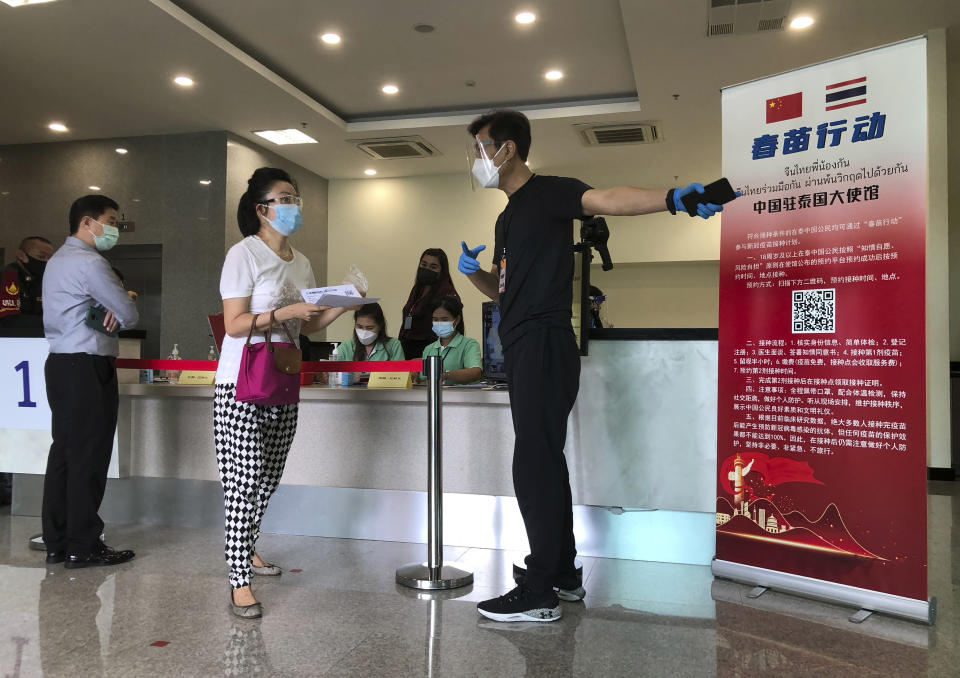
x: 532, y: 278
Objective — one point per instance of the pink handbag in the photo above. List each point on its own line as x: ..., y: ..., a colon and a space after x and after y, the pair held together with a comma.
x: 269, y: 372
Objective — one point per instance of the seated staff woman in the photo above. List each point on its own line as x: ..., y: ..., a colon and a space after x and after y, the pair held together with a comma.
x: 432, y: 282
x: 370, y: 340
x: 461, y: 355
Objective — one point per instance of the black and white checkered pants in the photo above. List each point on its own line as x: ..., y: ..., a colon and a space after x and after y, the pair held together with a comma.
x: 252, y: 443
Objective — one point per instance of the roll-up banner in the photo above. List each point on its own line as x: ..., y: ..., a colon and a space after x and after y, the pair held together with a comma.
x: 821, y: 486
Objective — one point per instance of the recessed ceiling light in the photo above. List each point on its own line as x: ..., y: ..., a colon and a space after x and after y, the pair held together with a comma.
x: 121, y: 151
x: 802, y: 22
x: 136, y: 199
x: 205, y: 182
x: 390, y: 89
x: 57, y: 127
x: 424, y: 28
x: 526, y: 18
x: 331, y: 38
x: 23, y: 3
x: 282, y: 137
x: 369, y: 172
x: 553, y: 75
x: 94, y: 188
x: 184, y: 80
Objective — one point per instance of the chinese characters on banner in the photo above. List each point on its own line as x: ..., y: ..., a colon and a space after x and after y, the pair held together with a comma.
x: 822, y: 412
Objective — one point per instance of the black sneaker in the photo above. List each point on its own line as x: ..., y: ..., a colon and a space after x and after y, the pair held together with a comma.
x: 55, y: 557
x: 570, y: 591
x: 102, y: 555
x: 522, y: 605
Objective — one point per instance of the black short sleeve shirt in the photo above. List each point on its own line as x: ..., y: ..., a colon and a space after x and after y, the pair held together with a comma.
x: 534, y: 235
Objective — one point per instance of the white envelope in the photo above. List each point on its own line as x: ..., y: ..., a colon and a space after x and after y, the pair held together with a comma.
x: 336, y: 295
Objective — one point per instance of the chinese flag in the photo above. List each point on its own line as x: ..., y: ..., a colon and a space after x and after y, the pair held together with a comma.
x: 785, y: 107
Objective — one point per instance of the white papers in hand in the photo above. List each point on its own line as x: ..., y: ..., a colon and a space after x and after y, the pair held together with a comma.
x: 336, y: 295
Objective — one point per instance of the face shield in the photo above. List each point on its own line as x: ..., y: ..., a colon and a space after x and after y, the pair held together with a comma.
x: 484, y: 162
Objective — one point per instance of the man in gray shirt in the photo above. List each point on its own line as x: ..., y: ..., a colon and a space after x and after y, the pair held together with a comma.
x: 84, y: 305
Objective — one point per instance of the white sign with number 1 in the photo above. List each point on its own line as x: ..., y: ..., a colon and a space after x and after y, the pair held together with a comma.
x: 24, y: 413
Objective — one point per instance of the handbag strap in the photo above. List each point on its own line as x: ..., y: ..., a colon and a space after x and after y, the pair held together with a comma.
x: 273, y: 321
x: 253, y: 326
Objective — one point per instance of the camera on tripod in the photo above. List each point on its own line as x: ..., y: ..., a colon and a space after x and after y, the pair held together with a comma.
x: 594, y: 233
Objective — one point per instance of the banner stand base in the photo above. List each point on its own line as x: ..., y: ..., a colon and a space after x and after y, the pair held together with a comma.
x: 864, y: 600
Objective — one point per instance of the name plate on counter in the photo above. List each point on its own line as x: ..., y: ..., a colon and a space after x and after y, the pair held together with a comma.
x: 197, y: 377
x: 389, y: 380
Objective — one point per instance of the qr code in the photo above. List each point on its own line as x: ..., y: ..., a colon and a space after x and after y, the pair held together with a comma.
x: 814, y: 311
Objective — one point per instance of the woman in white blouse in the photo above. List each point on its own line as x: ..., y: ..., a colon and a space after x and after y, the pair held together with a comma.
x: 261, y: 273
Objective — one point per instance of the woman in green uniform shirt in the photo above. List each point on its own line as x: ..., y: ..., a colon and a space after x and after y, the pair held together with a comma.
x: 370, y: 340
x: 461, y: 355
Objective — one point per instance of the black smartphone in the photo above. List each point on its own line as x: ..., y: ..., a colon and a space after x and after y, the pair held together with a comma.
x: 95, y: 318
x: 719, y: 193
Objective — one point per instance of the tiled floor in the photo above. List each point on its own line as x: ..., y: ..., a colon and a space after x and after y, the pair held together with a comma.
x: 343, y: 615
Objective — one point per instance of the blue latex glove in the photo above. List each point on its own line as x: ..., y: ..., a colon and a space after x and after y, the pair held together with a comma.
x: 468, y: 264
x: 705, y: 210
x: 678, y: 194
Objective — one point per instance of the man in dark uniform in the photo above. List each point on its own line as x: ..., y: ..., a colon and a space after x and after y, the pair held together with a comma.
x: 21, y: 291
x: 532, y: 278
x: 21, y: 304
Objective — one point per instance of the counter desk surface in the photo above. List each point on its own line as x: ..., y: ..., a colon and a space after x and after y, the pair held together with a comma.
x: 642, y: 434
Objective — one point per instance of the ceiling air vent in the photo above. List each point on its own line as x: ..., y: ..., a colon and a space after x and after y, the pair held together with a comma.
x: 396, y: 148
x: 742, y: 17
x: 623, y: 133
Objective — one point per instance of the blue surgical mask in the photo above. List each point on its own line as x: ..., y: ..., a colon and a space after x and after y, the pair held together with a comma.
x: 289, y: 219
x: 444, y: 329
x: 109, y: 238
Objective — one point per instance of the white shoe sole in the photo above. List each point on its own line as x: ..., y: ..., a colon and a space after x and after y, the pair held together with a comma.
x: 544, y: 614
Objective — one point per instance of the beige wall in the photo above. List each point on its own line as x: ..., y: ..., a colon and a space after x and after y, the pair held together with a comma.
x: 660, y: 294
x: 938, y: 260
x: 382, y: 226
x: 953, y: 184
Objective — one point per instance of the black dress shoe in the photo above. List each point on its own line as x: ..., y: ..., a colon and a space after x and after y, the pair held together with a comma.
x: 54, y: 557
x: 104, y: 555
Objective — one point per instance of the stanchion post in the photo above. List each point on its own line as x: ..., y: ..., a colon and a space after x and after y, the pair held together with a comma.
x: 434, y: 574
x: 434, y: 467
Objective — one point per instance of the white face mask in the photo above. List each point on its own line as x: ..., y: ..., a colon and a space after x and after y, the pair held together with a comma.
x: 485, y: 170
x: 367, y: 337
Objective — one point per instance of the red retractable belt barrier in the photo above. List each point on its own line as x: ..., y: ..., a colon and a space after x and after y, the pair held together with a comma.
x: 314, y: 366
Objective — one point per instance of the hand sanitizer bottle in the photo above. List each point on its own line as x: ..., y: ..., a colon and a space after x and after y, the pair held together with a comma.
x: 173, y: 376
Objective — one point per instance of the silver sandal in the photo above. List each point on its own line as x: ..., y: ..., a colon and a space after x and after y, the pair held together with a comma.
x: 253, y: 611
x: 268, y: 570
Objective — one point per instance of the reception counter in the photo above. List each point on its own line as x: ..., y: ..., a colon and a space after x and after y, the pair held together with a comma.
x: 640, y: 448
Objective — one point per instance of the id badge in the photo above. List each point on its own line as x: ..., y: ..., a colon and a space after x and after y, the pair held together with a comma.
x: 503, y: 274
x: 408, y: 322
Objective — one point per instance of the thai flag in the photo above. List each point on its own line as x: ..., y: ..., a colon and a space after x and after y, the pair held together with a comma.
x: 847, y: 93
